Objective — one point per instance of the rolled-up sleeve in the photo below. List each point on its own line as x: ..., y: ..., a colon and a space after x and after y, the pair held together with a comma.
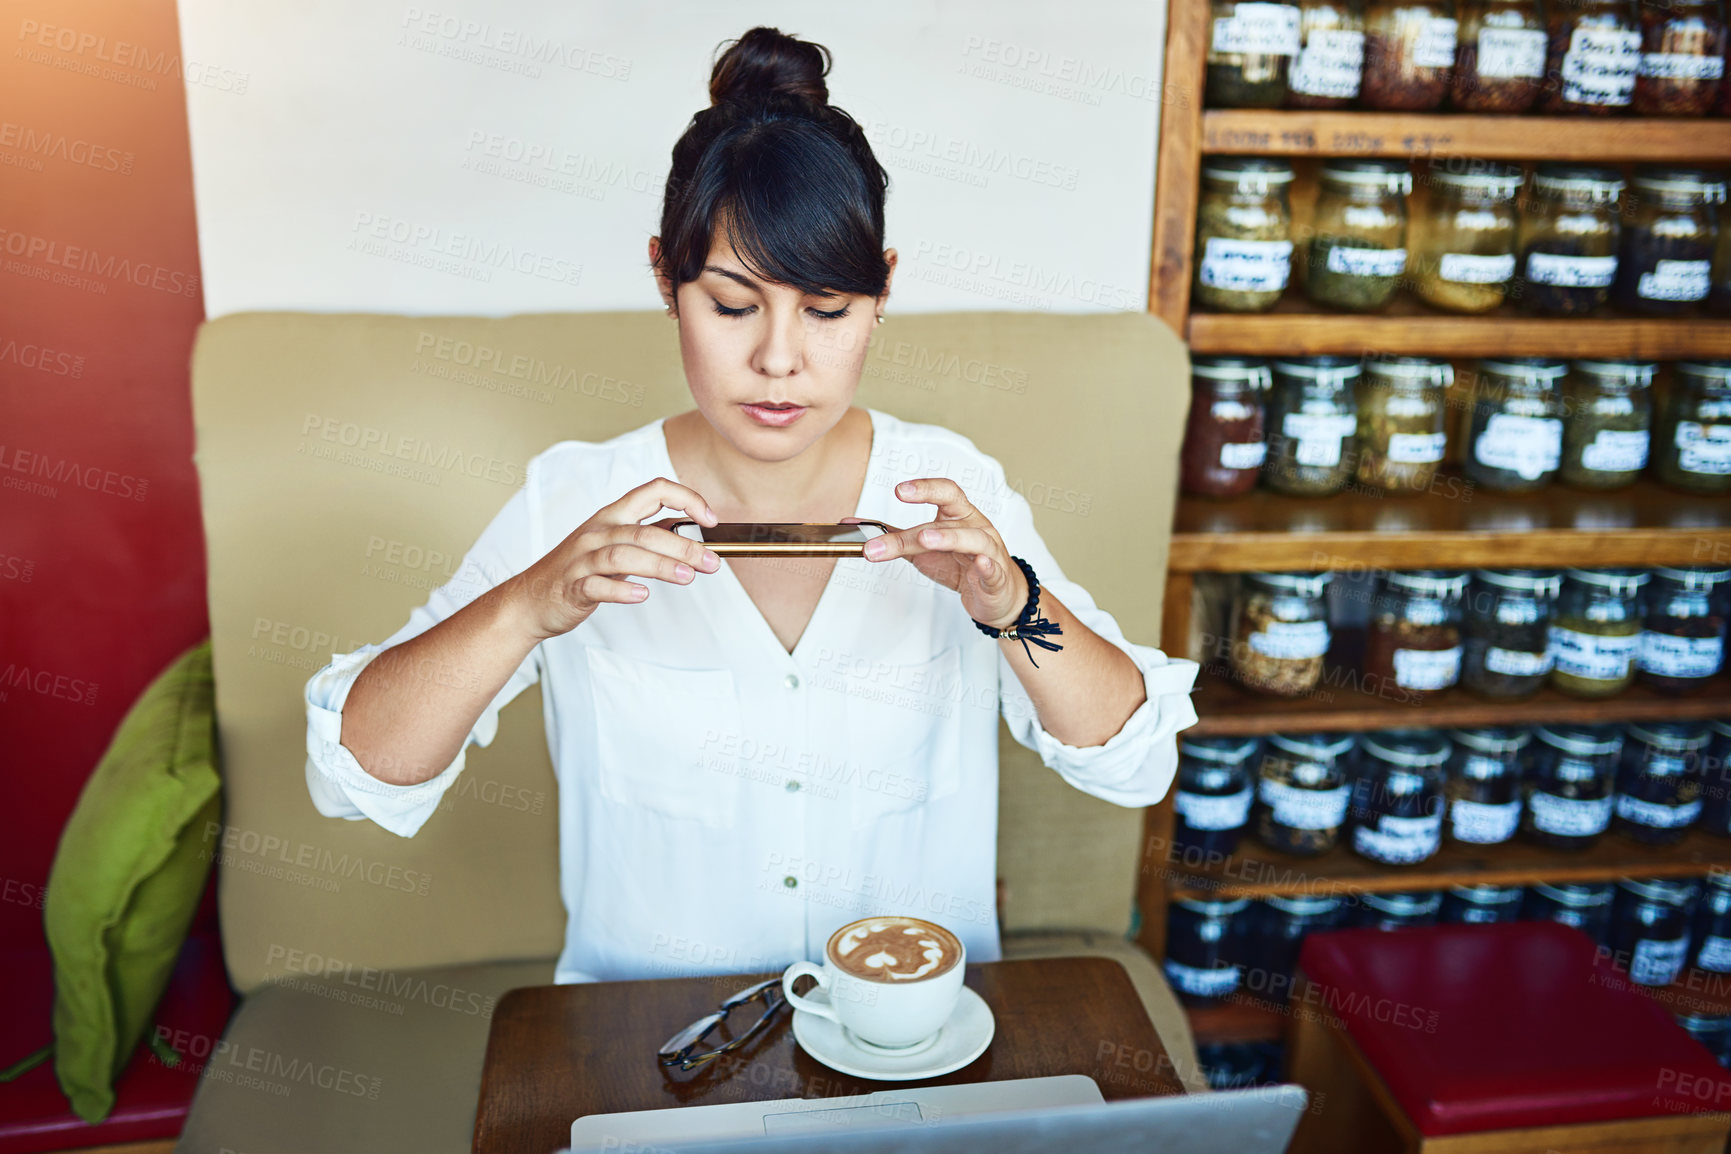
x: 336, y: 781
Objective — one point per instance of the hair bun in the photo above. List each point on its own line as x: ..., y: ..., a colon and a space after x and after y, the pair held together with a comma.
x: 767, y: 62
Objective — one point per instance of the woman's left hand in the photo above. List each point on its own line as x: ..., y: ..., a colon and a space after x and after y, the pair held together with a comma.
x: 960, y: 550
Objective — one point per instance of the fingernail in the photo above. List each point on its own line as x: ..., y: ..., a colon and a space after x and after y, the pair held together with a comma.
x: 931, y: 537
x: 905, y: 488
x: 711, y: 560
x: 875, y: 548
x: 683, y: 572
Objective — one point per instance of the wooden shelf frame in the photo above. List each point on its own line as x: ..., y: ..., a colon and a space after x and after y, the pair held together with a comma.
x: 1418, y: 135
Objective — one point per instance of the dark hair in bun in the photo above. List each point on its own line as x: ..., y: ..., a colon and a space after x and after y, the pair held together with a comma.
x: 790, y: 179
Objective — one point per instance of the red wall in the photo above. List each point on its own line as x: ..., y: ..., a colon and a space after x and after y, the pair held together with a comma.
x: 101, y: 550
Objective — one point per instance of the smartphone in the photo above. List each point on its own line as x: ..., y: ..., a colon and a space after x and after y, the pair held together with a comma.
x: 763, y: 539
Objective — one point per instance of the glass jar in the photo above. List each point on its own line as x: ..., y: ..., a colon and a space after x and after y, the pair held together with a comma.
x: 1330, y: 62
x: 1587, y: 907
x: 1713, y: 1031
x: 1692, y: 447
x: 1568, y: 794
x: 1659, y: 781
x: 1650, y: 929
x: 1280, y: 632
x: 1597, y: 631
x: 1212, y: 802
x: 1302, y: 792
x: 1716, y: 780
x: 1500, y: 63
x: 1225, y: 435
x: 1397, y: 799
x: 1683, y: 634
x: 1506, y: 632
x: 1607, y: 423
x: 1409, y: 54
x: 1401, y: 405
x: 1682, y: 58
x: 1592, y: 58
x: 1278, y: 926
x: 1711, y: 932
x: 1312, y: 420
x: 1243, y: 234
x: 1516, y: 434
x: 1414, y: 643
x: 1462, y: 246
x: 1719, y: 292
x: 1484, y: 784
x: 1665, y: 257
x: 1397, y: 911
x: 1568, y: 238
x: 1482, y: 905
x: 1358, y: 234
x: 1250, y: 48
x: 1204, y: 942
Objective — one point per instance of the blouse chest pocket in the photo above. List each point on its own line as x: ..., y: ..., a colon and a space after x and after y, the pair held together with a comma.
x: 904, y: 731
x: 655, y: 731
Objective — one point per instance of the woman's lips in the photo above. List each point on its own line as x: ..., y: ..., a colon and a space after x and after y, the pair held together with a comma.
x: 774, y: 418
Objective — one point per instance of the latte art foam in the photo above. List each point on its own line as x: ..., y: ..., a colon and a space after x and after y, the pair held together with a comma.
x: 894, y: 949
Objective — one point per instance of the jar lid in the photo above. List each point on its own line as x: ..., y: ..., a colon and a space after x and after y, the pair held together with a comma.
x: 1626, y: 374
x: 1303, y: 905
x: 1404, y: 904
x: 1492, y: 739
x: 1251, y: 371
x: 1302, y: 584
x: 1323, y: 370
x: 1695, y: 578
x: 1228, y: 750
x: 1710, y: 186
x: 1249, y: 173
x: 1529, y: 370
x: 1577, y: 895
x: 1713, y: 374
x: 1329, y: 745
x: 1591, y: 180
x: 1671, y: 736
x: 1438, y: 583
x: 1623, y: 581
x: 1672, y: 892
x: 1542, y: 582
x: 1411, y: 370
x: 1704, y: 1022
x: 1387, y: 175
x: 1408, y: 748
x: 1581, y: 740
x: 1721, y: 727
x: 1487, y: 895
x: 1494, y: 177
x: 1214, y: 909
x: 1720, y: 879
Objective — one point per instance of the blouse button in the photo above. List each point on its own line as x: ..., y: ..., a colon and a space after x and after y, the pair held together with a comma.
x: 793, y: 787
x: 791, y: 681
x: 790, y: 881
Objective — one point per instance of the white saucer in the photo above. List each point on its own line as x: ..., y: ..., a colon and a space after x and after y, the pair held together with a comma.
x: 963, y: 1038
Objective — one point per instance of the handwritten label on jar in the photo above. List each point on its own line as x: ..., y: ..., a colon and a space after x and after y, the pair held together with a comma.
x: 1416, y: 448
x: 1467, y: 268
x: 1483, y: 824
x: 1291, y: 640
x: 1305, y: 808
x: 1611, y: 451
x: 1657, y: 963
x: 1655, y: 816
x: 1715, y: 954
x: 1681, y: 66
x: 1246, y: 265
x: 1318, y: 435
x: 1569, y: 816
x: 1262, y: 29
x: 1426, y: 669
x: 1675, y: 280
x: 1399, y: 840
x: 1511, y: 52
x: 1571, y: 271
x: 1436, y: 44
x: 1242, y: 454
x: 1202, y: 811
x: 1201, y: 983
x: 1517, y: 663
x: 1600, y: 66
x: 1329, y: 65
x: 1529, y: 447
x: 1704, y: 448
x: 1367, y: 261
x: 1671, y: 656
x: 1593, y: 657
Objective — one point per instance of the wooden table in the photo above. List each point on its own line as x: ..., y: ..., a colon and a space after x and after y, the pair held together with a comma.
x: 557, y: 1053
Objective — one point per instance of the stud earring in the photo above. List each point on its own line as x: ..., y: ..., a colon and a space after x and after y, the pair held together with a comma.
x: 880, y: 318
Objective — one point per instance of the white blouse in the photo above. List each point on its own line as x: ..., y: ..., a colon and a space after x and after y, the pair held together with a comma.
x: 724, y: 805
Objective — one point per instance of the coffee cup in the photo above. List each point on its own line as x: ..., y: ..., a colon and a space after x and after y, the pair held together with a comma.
x: 892, y: 982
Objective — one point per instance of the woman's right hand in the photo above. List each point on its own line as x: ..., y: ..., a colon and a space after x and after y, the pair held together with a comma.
x: 590, y: 567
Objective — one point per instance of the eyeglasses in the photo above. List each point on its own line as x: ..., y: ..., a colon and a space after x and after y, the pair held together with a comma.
x: 682, y: 1049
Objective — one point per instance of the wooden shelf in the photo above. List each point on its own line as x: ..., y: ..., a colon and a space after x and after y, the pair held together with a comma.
x: 1696, y: 992
x: 1257, y: 871
x: 1452, y: 526
x: 1408, y: 326
x: 1296, y: 133
x: 1239, y: 1018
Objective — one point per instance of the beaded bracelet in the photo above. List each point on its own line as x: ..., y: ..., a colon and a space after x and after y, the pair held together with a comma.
x: 1030, y: 626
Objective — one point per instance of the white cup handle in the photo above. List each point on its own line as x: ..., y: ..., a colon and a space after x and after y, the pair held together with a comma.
x: 793, y: 974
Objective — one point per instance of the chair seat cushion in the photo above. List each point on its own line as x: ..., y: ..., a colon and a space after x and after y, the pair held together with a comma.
x: 1494, y: 1027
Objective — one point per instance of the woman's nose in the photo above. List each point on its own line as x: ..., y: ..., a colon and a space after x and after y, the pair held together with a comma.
x: 781, y: 352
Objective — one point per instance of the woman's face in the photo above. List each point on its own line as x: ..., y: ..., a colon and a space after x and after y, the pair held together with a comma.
x: 772, y: 368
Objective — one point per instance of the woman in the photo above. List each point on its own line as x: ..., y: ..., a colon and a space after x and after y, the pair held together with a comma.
x: 751, y: 754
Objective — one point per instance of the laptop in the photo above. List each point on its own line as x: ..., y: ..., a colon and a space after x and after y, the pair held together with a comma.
x: 1254, y: 1121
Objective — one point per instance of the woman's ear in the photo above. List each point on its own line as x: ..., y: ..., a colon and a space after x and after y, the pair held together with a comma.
x: 662, y: 280
x: 883, y: 297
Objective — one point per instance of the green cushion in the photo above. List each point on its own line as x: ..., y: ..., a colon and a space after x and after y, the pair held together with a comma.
x: 127, y: 879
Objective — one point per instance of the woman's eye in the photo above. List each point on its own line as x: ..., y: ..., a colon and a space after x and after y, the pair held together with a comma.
x: 727, y: 312
x: 831, y: 316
